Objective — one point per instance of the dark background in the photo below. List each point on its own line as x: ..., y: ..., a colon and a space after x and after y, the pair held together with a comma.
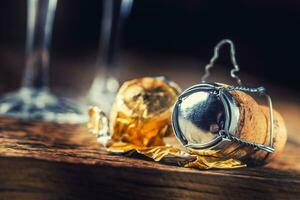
x: 266, y: 34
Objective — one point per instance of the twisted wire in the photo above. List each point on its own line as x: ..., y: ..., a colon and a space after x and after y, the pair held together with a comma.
x: 228, y: 136
x: 260, y: 90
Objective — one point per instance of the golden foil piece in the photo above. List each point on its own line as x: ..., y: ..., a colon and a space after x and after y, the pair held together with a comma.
x: 98, y: 125
x: 140, y: 122
x: 141, y: 112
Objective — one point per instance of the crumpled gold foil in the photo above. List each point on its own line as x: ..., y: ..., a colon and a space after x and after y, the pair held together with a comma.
x: 141, y: 112
x: 140, y: 123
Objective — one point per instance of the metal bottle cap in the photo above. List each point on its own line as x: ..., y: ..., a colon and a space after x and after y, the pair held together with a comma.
x: 201, y: 112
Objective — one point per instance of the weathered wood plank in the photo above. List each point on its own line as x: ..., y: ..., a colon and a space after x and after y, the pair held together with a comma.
x: 52, y: 161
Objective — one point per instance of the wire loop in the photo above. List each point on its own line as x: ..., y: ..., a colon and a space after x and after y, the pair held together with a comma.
x: 216, y: 56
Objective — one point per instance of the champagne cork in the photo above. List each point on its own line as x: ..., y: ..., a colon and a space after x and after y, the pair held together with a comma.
x: 254, y: 127
x: 227, y: 119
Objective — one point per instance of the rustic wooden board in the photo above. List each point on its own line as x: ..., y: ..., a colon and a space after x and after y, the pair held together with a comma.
x: 52, y: 161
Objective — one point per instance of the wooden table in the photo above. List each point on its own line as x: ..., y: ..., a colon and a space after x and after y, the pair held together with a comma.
x: 53, y: 161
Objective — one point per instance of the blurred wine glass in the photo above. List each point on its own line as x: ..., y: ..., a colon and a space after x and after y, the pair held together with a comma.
x: 106, y: 84
x: 34, y: 100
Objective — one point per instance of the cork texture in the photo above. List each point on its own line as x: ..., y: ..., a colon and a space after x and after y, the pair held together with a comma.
x: 254, y: 127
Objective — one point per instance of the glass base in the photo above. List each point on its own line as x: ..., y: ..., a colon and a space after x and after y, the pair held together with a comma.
x: 103, y: 93
x: 40, y: 104
x: 103, y: 100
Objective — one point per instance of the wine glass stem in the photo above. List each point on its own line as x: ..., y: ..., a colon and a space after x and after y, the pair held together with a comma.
x: 40, y: 16
x: 115, y: 13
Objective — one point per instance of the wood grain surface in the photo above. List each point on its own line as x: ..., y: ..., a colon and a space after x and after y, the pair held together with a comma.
x: 55, y: 161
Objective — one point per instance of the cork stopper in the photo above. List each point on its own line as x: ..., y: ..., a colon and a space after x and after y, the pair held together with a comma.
x: 253, y: 126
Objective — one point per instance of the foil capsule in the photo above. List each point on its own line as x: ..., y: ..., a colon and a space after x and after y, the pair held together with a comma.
x: 141, y: 112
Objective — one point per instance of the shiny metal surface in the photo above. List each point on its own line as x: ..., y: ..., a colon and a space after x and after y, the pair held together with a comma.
x: 201, y: 112
x: 201, y: 116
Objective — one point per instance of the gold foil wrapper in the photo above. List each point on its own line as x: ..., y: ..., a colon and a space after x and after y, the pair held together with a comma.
x: 140, y: 123
x: 141, y: 112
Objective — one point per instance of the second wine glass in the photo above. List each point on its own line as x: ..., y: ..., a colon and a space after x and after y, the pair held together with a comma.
x: 106, y: 84
x: 34, y: 101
